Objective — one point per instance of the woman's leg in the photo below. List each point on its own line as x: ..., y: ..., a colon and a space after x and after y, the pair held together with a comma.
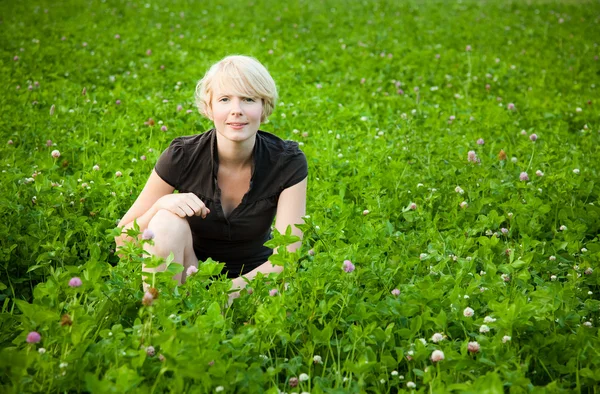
x: 171, y: 234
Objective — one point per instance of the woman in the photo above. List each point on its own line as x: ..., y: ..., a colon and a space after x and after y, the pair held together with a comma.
x: 232, y: 180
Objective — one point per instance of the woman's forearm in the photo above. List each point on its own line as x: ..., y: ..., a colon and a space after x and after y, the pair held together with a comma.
x: 266, y: 268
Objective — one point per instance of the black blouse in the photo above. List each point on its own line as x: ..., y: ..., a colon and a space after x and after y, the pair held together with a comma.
x: 190, y: 165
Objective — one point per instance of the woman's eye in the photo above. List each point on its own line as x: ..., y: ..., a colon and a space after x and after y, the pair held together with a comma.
x: 224, y: 99
x: 249, y: 99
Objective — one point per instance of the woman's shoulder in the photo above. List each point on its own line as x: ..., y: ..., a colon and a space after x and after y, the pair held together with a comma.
x: 283, y: 160
x: 192, y: 140
x: 278, y: 146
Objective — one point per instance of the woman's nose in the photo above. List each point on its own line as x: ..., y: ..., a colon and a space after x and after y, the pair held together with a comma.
x: 236, y: 107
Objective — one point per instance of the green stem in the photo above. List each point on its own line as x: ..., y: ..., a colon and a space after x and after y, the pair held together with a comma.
x: 531, y: 158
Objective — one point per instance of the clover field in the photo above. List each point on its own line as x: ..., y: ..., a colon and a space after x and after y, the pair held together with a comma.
x: 452, y: 237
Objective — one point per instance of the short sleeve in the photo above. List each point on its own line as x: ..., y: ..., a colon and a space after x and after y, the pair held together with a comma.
x: 171, y: 163
x: 294, y: 167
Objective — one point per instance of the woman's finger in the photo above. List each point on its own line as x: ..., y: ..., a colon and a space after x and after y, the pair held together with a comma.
x: 196, y: 207
x: 197, y: 204
x: 205, y: 211
x: 179, y: 212
x: 187, y: 209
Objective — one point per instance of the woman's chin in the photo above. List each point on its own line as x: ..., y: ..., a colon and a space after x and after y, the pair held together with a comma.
x: 238, y: 135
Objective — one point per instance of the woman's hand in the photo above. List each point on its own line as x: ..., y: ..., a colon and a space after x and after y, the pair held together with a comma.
x: 182, y: 205
x: 232, y: 296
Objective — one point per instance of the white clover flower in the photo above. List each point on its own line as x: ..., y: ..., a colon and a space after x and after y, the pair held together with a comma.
x: 436, y: 356
x: 411, y: 385
x: 587, y: 324
x: 218, y: 389
x: 583, y: 250
x: 466, y: 297
x: 484, y: 329
x: 394, y: 373
x: 506, y: 338
x: 63, y: 365
x: 459, y: 190
x: 41, y: 350
x: 303, y: 377
x: 489, y: 319
x: 317, y: 360
x: 576, y: 171
x: 553, y: 278
x: 423, y: 341
x: 382, y: 381
x: 437, y: 337
x: 468, y: 312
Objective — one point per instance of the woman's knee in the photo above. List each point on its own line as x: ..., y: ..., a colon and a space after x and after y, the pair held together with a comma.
x: 170, y: 231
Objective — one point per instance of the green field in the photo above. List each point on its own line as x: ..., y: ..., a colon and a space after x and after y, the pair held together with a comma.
x: 417, y: 119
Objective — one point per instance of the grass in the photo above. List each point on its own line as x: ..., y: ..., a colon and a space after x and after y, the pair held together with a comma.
x: 386, y: 99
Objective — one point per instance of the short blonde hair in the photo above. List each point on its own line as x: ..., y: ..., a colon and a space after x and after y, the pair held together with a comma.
x: 245, y: 76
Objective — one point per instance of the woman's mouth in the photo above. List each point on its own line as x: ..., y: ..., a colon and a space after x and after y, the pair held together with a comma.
x: 237, y: 126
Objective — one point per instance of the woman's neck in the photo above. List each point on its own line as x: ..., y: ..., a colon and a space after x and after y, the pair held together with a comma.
x: 235, y: 155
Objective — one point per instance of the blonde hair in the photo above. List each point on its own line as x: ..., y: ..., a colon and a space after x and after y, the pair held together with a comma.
x: 244, y: 76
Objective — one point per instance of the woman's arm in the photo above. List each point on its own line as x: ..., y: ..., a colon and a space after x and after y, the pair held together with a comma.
x: 291, y: 208
x: 157, y: 195
x: 143, y: 208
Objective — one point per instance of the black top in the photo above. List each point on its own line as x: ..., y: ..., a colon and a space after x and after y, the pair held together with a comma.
x: 190, y: 165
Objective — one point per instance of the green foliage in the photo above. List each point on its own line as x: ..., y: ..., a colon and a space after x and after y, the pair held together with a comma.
x: 384, y: 123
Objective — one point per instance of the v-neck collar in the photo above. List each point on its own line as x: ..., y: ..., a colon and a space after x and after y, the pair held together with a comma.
x: 257, y: 160
x: 257, y: 150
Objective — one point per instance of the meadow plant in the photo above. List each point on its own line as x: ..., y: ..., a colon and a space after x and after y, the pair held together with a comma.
x: 500, y: 273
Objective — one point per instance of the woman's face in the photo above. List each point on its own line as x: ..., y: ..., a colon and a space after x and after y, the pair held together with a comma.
x: 237, y: 118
